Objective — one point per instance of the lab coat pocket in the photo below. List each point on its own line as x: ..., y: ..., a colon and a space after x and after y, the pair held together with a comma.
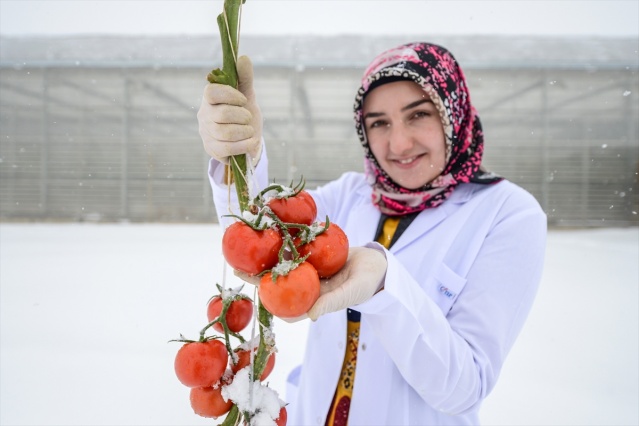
x: 448, y: 285
x: 292, y: 386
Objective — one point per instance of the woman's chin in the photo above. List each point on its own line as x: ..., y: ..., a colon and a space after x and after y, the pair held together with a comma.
x: 415, y: 181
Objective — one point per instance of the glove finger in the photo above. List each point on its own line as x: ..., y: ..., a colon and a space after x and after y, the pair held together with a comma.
x: 245, y: 76
x: 317, y: 310
x: 210, y: 115
x: 229, y: 132
x: 294, y: 320
x: 222, y: 150
x: 216, y: 94
x: 229, y: 114
x: 332, y: 301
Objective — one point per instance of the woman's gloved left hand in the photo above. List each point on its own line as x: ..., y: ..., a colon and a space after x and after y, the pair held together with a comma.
x: 361, y: 277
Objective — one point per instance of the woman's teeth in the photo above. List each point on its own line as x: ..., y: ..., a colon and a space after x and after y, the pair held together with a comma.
x: 407, y: 161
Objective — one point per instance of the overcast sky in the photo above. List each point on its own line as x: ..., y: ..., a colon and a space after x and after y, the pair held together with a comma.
x: 325, y: 17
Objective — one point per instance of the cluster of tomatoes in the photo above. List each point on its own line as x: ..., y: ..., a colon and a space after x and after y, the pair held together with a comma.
x: 279, y: 240
x: 209, y: 364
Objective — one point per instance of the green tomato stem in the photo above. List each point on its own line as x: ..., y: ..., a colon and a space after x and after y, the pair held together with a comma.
x: 265, y: 319
x: 228, y: 24
x: 232, y: 418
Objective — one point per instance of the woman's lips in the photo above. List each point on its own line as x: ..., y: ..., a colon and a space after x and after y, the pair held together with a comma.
x: 407, y: 163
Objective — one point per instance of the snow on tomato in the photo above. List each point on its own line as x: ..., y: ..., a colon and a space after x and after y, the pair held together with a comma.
x: 201, y: 364
x: 238, y: 315
x: 328, y: 251
x: 291, y: 295
x: 244, y: 359
x: 208, y: 401
x: 249, y: 250
x: 253, y: 397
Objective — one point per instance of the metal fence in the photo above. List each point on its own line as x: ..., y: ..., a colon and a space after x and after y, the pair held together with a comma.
x: 115, y: 142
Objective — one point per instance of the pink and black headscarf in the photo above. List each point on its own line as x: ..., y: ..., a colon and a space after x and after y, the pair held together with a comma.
x: 438, y: 73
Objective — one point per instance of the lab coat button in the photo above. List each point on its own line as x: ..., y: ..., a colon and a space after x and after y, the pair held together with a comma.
x: 363, y: 346
x: 319, y: 420
x: 340, y: 345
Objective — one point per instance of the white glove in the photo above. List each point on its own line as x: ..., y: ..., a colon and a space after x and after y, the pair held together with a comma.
x: 230, y: 121
x: 359, y: 279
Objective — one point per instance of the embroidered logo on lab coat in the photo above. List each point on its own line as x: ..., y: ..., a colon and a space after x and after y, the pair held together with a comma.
x: 446, y: 292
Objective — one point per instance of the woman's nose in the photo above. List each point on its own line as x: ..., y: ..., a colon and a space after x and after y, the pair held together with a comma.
x: 400, y: 140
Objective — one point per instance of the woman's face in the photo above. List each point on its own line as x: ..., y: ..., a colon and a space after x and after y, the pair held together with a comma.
x: 405, y: 133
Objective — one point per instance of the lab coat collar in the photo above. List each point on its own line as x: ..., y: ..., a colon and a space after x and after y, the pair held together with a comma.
x: 368, y: 216
x: 430, y: 218
x: 462, y: 193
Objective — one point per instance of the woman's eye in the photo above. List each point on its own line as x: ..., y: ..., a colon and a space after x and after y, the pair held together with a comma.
x: 377, y: 123
x: 420, y: 114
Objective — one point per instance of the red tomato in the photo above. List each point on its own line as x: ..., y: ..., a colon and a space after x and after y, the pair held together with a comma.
x: 300, y: 208
x: 251, y: 251
x: 201, y: 364
x: 208, y: 402
x: 291, y: 295
x: 244, y: 359
x: 283, y: 417
x: 328, y: 251
x: 238, y: 316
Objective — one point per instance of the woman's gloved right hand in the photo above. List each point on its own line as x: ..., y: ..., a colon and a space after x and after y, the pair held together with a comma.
x: 230, y: 121
x: 359, y: 279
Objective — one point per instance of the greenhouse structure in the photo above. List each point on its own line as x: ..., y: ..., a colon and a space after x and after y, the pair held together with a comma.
x: 104, y: 129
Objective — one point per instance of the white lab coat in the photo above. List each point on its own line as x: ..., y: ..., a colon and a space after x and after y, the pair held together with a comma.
x: 459, y: 285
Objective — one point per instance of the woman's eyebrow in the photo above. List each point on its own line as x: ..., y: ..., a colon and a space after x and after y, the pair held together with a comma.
x: 373, y: 115
x: 407, y: 107
x: 416, y: 103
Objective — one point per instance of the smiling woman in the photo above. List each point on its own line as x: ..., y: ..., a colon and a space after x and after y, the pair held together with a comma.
x: 445, y: 257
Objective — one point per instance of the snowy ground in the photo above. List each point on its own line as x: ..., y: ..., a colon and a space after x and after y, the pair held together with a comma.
x: 86, y: 312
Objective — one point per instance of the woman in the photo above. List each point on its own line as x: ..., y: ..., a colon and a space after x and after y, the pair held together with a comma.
x: 446, y: 257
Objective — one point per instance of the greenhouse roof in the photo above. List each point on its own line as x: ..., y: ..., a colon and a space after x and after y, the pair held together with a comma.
x: 334, y: 51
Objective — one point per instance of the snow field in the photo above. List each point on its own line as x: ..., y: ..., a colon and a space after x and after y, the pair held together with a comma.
x: 86, y: 311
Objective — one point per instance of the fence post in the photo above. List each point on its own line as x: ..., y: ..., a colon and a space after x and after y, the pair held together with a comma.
x: 632, y: 172
x: 124, y: 151
x: 46, y: 142
x: 545, y: 158
x: 292, y: 143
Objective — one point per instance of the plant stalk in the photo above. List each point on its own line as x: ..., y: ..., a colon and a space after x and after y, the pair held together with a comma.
x: 228, y: 23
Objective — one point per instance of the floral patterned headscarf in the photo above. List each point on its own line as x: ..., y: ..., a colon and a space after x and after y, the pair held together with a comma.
x: 438, y: 73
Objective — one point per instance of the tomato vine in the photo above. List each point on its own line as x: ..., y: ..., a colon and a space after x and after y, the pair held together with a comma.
x: 279, y: 223
x: 229, y: 26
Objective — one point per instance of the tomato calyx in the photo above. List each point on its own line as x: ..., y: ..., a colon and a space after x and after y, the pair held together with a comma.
x: 285, y: 267
x: 311, y: 232
x: 258, y: 215
x: 258, y: 221
x: 202, y: 339
x: 279, y: 191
